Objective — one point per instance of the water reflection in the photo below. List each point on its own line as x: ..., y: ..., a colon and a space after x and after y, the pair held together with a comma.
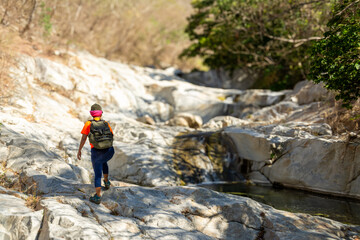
x: 339, y: 209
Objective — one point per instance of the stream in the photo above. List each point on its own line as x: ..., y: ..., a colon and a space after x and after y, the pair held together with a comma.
x: 340, y: 209
x: 207, y: 159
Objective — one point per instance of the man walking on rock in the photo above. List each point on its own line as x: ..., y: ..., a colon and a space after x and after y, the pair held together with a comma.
x: 101, y: 140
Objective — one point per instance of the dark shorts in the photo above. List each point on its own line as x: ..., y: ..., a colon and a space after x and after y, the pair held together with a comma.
x: 99, y: 159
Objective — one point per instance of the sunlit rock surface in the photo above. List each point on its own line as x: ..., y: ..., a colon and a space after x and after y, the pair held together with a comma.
x: 17, y: 221
x: 301, y: 157
x: 165, y: 213
x: 45, y: 188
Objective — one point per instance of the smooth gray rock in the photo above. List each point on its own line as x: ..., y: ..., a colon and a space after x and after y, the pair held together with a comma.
x: 16, y: 220
x: 318, y: 165
x: 220, y: 78
x: 296, y: 157
x: 250, y: 145
x: 61, y: 220
x: 164, y: 213
x: 186, y: 120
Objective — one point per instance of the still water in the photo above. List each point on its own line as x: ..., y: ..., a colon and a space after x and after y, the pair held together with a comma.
x: 339, y: 209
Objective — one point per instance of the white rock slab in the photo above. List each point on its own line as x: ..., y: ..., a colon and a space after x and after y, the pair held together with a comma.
x: 16, y: 220
x: 61, y: 220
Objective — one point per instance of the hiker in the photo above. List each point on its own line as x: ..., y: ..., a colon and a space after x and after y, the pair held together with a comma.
x: 101, y: 138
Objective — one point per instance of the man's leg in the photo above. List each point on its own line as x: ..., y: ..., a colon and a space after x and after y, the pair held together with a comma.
x: 106, y: 177
x: 97, y: 166
x: 98, y: 191
x: 97, y: 180
x: 105, y: 169
x: 106, y: 154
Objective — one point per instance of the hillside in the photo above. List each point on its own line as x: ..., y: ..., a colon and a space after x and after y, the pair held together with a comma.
x: 137, y: 32
x: 46, y: 188
x: 170, y: 135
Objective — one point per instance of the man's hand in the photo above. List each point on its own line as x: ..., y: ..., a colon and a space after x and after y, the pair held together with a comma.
x: 82, y: 142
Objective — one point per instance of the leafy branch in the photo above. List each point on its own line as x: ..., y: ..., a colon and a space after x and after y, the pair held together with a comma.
x: 335, y: 59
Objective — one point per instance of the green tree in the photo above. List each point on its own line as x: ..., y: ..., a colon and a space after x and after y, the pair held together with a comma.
x: 269, y: 36
x: 336, y: 58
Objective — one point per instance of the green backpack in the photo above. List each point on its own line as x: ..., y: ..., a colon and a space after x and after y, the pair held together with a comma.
x: 100, y: 135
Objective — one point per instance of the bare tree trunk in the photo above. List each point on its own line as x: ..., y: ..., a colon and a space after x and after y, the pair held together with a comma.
x: 3, y: 17
x: 27, y: 27
x: 75, y: 19
x: 5, y: 13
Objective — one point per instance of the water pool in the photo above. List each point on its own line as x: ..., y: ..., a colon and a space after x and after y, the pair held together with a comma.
x: 340, y: 209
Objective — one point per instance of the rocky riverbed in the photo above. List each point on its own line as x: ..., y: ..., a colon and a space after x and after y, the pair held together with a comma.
x: 168, y: 133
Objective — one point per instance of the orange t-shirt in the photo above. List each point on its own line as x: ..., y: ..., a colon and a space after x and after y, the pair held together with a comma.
x: 86, y: 129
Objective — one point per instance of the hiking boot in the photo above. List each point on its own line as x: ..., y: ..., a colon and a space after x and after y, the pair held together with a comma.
x: 95, y: 199
x: 107, y: 184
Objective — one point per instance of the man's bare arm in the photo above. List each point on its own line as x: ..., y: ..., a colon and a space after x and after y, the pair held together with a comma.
x: 82, y: 142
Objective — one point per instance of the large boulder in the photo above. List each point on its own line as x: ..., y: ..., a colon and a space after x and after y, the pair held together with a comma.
x: 185, y: 98
x: 298, y: 157
x: 186, y: 120
x: 306, y: 92
x: 146, y: 119
x: 260, y: 98
x: 225, y: 121
x: 322, y: 165
x: 250, y: 144
x: 220, y: 78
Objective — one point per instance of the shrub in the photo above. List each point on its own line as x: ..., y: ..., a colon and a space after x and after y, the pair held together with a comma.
x: 335, y: 59
x: 45, y: 19
x: 270, y: 36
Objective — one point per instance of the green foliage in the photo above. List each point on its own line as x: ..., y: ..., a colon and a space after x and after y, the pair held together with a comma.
x: 270, y: 36
x: 336, y: 57
x: 356, y: 117
x: 45, y: 19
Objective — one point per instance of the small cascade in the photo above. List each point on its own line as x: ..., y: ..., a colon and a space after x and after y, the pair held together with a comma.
x: 206, y: 157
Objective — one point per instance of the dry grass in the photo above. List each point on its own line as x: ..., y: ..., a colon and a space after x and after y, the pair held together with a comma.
x: 112, y: 206
x: 6, y: 61
x: 140, y: 32
x: 10, y: 45
x: 343, y: 121
x: 32, y: 201
x: 4, y: 181
x: 15, y: 183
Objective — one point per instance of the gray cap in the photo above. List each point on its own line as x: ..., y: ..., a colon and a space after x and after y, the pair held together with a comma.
x: 96, y: 107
